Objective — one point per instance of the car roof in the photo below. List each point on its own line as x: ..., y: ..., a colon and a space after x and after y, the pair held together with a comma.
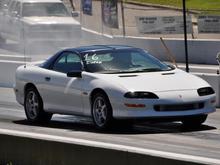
x: 100, y: 48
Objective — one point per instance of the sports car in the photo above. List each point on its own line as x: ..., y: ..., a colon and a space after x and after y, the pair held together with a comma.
x: 109, y: 83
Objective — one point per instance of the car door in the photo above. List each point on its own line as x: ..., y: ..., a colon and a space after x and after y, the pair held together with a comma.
x: 60, y: 93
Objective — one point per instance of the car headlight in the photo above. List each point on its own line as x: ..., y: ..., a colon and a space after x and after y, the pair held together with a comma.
x: 205, y: 91
x: 140, y: 95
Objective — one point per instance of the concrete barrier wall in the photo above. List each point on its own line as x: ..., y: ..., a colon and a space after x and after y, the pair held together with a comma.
x: 25, y: 151
x: 200, y: 51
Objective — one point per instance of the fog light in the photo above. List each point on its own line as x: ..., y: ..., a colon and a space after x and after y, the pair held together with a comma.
x: 135, y: 105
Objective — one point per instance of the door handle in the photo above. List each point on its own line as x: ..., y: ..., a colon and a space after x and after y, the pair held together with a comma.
x: 47, y: 78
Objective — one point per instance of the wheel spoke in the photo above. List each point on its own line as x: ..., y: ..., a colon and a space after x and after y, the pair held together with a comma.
x: 103, y: 116
x: 32, y: 97
x: 99, y: 103
x: 103, y: 107
x: 103, y: 112
x: 36, y: 105
x: 34, y: 112
x: 29, y: 101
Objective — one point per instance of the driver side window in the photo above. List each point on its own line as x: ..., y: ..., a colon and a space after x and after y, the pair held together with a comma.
x: 67, y: 62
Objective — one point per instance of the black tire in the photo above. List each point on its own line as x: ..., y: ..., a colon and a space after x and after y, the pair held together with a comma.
x: 128, y: 124
x: 194, y: 121
x: 101, y: 111
x: 33, y: 106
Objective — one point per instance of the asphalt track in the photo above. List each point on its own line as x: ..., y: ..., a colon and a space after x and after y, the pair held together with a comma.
x: 166, y: 137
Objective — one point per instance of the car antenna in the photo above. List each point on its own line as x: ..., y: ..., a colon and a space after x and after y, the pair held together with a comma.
x: 169, y: 54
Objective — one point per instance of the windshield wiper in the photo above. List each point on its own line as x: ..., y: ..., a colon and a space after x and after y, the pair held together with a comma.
x: 142, y: 70
x: 149, y: 70
x: 133, y: 71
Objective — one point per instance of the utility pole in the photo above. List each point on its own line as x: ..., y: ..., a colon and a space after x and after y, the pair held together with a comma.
x: 185, y: 36
x: 123, y: 18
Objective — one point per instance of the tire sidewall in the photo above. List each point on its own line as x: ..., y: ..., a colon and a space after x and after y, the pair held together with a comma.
x: 194, y: 121
x: 40, y: 106
x: 109, y: 117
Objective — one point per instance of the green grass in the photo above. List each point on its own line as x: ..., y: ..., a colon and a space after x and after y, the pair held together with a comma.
x: 191, y: 4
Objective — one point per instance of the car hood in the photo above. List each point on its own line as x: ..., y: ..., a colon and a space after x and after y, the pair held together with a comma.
x: 50, y: 20
x: 176, y: 80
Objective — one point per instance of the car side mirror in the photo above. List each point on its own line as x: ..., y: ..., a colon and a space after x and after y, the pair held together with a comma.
x: 75, y: 14
x: 75, y: 73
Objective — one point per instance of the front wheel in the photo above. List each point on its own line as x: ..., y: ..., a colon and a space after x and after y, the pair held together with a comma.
x: 194, y: 121
x: 101, y: 111
x: 34, y: 107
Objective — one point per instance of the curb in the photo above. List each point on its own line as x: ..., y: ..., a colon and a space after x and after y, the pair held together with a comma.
x: 25, y: 149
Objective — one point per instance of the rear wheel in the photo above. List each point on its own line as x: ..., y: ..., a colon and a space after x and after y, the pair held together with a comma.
x: 34, y: 107
x: 194, y: 121
x: 101, y: 111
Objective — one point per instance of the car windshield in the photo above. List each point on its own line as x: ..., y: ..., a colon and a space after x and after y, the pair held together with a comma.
x: 122, y: 61
x: 44, y: 10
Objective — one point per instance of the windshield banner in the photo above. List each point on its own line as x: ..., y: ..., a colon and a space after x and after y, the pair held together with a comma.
x: 110, y: 13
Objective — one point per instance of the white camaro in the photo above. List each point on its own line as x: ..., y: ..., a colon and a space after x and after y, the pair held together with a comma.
x: 108, y: 82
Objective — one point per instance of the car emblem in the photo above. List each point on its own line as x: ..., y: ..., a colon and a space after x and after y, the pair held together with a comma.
x: 180, y: 96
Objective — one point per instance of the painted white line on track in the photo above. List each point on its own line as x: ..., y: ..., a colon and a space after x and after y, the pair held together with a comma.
x: 105, y: 145
x: 98, y: 33
x: 11, y: 109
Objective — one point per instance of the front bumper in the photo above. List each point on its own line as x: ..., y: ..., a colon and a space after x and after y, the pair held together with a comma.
x: 121, y: 111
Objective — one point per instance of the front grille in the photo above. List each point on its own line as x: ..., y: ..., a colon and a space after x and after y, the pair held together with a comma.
x: 179, y: 107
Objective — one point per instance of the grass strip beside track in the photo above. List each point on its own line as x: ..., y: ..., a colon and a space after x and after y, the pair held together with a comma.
x: 209, y: 6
